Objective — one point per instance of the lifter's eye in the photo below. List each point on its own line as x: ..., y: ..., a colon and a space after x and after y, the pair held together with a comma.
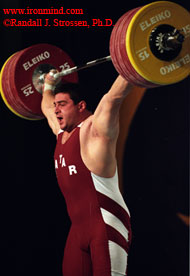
x: 61, y: 103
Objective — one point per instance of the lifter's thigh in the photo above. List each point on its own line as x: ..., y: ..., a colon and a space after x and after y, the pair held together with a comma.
x: 76, y: 262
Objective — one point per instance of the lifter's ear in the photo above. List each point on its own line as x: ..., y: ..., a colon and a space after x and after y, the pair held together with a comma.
x: 81, y: 106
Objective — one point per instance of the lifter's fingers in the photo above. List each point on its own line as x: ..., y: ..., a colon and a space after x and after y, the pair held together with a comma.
x: 50, y: 77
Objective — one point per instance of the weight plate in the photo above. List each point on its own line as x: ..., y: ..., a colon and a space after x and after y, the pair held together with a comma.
x: 114, y: 41
x: 4, y: 86
x: 8, y: 92
x: 130, y: 73
x: 133, y: 76
x: 21, y: 93
x: 119, y: 54
x: 138, y: 48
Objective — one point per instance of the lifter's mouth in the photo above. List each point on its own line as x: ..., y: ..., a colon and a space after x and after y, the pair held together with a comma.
x: 59, y: 118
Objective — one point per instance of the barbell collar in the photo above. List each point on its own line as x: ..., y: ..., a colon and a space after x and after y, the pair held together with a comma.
x: 172, y: 41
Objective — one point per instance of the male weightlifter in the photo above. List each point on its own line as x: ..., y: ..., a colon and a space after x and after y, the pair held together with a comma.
x: 86, y: 169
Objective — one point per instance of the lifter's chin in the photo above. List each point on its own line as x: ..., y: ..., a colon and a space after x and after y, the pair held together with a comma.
x: 68, y: 128
x: 62, y: 125
x: 65, y: 127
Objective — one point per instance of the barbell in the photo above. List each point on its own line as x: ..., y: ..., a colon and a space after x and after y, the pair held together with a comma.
x: 149, y: 47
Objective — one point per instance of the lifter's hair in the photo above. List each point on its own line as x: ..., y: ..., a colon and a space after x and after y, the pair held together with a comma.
x: 73, y: 89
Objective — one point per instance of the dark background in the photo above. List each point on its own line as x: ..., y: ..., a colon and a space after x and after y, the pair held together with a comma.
x: 33, y: 217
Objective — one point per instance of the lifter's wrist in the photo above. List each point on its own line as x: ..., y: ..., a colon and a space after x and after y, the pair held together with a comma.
x: 48, y: 86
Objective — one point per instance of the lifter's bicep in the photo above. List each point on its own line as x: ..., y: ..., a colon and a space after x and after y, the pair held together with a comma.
x: 106, y: 117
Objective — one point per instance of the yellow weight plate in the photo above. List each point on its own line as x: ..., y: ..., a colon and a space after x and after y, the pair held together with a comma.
x: 137, y: 42
x: 3, y: 94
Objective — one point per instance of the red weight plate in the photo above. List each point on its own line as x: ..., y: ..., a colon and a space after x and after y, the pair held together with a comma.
x: 7, y: 90
x: 128, y: 74
x: 10, y: 96
x: 124, y: 58
x: 18, y: 101
x: 113, y: 47
x: 119, y: 53
x: 5, y: 79
x: 134, y: 76
x: 30, y: 59
x: 18, y: 72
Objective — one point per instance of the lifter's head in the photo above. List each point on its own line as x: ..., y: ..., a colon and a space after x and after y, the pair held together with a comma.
x: 70, y: 106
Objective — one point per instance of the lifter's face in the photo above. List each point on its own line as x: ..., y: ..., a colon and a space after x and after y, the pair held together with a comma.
x: 66, y: 111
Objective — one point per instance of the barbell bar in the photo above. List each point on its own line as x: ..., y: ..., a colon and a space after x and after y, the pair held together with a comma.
x: 77, y: 68
x: 82, y: 66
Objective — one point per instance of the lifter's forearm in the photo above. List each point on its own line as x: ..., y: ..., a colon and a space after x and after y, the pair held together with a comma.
x: 47, y: 99
x: 120, y: 89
